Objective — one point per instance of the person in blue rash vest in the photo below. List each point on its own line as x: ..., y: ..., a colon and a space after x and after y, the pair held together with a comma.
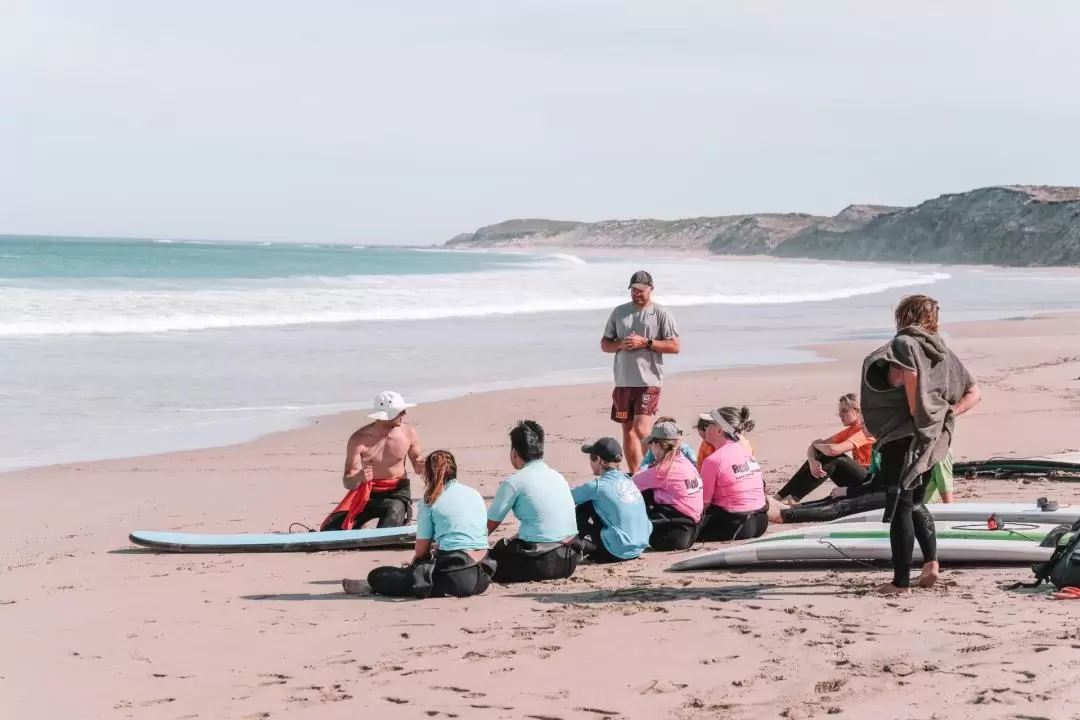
x: 611, y: 516
x: 547, y: 546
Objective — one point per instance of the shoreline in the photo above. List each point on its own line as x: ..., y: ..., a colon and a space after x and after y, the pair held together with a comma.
x: 824, y: 353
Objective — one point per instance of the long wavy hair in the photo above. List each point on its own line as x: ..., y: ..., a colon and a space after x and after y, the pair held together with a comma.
x: 439, y: 468
x: 919, y: 310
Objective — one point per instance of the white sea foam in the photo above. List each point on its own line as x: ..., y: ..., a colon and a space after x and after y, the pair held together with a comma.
x: 542, y: 286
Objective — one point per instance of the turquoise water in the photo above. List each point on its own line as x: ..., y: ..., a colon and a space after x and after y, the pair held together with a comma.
x: 45, y: 258
x: 114, y: 348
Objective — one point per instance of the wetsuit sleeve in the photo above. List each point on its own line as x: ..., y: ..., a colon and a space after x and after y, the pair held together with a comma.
x: 586, y: 492
x: 425, y: 526
x: 503, y: 502
x: 665, y: 326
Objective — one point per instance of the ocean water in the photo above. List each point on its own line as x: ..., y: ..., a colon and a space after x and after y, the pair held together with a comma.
x: 117, y: 348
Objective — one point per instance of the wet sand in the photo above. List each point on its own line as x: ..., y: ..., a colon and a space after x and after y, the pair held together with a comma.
x: 94, y: 627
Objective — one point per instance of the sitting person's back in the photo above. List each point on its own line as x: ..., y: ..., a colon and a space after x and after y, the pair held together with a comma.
x: 733, y: 483
x: 546, y: 546
x: 672, y: 491
x: 611, y: 515
x: 650, y: 458
x: 451, y: 541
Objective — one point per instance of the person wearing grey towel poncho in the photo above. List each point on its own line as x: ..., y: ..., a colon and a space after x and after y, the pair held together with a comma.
x: 913, y: 387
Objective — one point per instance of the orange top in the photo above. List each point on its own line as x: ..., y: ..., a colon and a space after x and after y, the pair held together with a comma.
x: 705, y: 449
x: 863, y: 452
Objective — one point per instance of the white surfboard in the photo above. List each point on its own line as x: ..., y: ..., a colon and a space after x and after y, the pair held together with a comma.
x: 979, y: 512
x: 867, y: 549
x: 274, y: 542
x: 956, y: 541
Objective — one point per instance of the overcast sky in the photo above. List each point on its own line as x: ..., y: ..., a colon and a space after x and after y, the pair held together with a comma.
x: 409, y: 122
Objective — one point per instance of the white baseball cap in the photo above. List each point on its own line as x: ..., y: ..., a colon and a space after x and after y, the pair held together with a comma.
x: 388, y: 405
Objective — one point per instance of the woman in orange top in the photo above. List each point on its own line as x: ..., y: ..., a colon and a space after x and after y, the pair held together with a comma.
x: 827, y: 459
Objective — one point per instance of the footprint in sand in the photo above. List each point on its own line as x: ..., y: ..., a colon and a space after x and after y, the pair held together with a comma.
x: 829, y: 686
x: 463, y: 692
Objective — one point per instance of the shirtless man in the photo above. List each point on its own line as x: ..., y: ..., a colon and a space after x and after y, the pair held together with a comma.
x: 376, y: 454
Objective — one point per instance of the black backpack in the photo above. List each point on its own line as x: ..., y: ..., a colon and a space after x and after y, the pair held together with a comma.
x: 1063, y: 567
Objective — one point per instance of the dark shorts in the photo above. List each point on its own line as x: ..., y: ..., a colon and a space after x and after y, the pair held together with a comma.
x: 629, y: 402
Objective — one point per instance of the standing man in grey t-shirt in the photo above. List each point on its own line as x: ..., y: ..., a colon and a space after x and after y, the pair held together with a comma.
x: 640, y: 333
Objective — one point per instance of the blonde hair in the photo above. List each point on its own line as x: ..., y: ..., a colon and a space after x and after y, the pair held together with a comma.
x: 664, y: 462
x: 439, y: 468
x: 918, y: 310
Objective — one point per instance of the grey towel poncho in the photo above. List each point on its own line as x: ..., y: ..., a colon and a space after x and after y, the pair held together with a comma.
x: 943, y: 380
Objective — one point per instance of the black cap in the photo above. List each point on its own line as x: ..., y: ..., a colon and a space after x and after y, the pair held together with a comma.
x: 641, y: 277
x: 607, y: 449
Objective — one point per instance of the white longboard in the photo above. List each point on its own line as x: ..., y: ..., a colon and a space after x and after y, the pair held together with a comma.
x: 956, y: 542
x: 274, y: 542
x: 980, y: 512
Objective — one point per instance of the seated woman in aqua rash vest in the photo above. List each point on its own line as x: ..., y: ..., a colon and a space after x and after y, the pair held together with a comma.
x: 733, y: 485
x: 451, y: 541
x: 672, y: 491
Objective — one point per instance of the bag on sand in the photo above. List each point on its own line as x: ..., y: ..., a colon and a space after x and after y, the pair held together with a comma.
x: 1063, y: 567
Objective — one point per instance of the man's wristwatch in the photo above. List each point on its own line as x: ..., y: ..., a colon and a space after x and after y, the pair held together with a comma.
x: 648, y: 343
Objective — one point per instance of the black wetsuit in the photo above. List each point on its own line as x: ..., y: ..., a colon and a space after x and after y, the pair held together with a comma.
x: 842, y: 470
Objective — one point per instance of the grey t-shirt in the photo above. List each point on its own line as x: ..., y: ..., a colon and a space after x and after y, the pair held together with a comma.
x: 645, y: 367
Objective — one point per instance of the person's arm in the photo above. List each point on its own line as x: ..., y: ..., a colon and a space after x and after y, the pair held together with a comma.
x: 646, y: 479
x: 911, y: 389
x: 586, y: 492
x: 709, y: 471
x: 610, y: 342
x: 355, y: 470
x: 416, y: 455
x: 832, y: 449
x: 970, y: 399
x: 501, y: 505
x: 422, y: 551
x: 667, y: 335
x: 425, y: 532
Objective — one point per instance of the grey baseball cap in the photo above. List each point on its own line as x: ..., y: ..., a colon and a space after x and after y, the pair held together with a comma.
x: 664, y: 431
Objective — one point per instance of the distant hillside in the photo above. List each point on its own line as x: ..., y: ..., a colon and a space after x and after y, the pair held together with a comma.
x: 1007, y: 225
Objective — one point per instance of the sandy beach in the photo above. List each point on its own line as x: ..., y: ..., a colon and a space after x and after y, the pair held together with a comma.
x: 94, y: 627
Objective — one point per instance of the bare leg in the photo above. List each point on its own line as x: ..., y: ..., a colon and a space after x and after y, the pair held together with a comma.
x: 631, y: 449
x: 634, y: 434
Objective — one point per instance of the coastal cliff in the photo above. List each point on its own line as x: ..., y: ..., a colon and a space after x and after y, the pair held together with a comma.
x: 1004, y: 225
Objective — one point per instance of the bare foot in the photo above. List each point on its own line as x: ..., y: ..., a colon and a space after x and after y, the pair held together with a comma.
x: 355, y: 587
x: 890, y: 589
x: 930, y: 573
